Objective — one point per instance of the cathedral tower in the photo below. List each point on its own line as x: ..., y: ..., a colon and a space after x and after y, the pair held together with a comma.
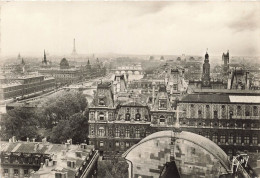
x: 225, y: 58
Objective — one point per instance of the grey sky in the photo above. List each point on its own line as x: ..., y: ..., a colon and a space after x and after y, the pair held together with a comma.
x: 131, y: 27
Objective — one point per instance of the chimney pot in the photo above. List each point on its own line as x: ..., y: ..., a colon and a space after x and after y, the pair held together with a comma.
x: 41, y: 165
x: 33, y: 139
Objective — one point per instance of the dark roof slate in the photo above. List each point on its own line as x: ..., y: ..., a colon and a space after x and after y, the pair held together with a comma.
x: 206, y: 98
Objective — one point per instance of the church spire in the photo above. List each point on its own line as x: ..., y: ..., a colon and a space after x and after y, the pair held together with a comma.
x: 23, y: 63
x: 44, y: 58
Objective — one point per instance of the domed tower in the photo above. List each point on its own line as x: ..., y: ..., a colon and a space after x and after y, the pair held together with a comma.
x: 64, y: 64
x: 206, y: 72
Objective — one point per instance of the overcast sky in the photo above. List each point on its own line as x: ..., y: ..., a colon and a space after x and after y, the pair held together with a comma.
x: 131, y: 27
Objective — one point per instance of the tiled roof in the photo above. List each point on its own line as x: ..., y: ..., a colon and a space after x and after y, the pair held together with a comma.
x: 220, y: 98
x: 133, y: 104
x: 206, y: 98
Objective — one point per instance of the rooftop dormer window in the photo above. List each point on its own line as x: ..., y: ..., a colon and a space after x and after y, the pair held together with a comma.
x: 101, y: 102
x: 162, y: 104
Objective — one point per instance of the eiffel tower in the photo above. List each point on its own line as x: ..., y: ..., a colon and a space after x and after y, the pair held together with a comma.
x: 74, y: 52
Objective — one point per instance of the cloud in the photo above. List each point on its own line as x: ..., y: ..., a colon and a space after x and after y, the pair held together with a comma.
x: 246, y: 21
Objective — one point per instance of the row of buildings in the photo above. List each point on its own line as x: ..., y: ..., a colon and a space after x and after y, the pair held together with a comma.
x: 20, y: 86
x: 120, y: 117
x: 43, y: 159
x: 66, y: 74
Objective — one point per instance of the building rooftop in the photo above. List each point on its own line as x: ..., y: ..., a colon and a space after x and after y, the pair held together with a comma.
x: 66, y: 158
x: 220, y: 98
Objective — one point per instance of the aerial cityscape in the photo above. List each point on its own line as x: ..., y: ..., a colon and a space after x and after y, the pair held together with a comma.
x: 130, y: 89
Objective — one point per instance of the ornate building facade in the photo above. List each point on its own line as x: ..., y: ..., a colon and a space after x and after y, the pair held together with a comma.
x: 231, y: 121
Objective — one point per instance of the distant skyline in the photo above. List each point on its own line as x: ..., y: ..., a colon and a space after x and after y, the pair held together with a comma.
x: 141, y: 28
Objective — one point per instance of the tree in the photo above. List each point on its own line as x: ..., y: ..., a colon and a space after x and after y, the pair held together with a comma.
x: 112, y: 169
x: 19, y: 122
x: 62, y: 107
x: 75, y: 128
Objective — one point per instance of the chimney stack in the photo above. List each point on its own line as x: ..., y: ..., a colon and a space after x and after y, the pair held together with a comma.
x: 41, y: 165
x: 28, y: 140
x: 14, y: 139
x: 33, y: 139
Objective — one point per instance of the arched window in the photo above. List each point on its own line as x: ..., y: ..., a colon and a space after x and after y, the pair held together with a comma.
x: 101, y: 132
x: 138, y: 117
x: 127, y: 116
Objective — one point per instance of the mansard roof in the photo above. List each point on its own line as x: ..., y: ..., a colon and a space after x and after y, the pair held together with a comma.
x: 220, y: 98
x: 134, y: 103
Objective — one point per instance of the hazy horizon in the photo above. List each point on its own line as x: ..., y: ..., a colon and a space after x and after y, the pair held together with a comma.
x: 133, y: 28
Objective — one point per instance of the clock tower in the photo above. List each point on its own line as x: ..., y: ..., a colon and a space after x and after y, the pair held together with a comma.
x: 206, y: 72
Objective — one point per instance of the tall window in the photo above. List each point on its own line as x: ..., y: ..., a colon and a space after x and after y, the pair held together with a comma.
x: 215, y: 114
x: 138, y: 117
x: 101, y: 132
x: 239, y: 111
x: 246, y: 139
x: 207, y: 135
x: 255, y: 111
x: 117, y: 132
x: 92, y: 131
x: 222, y: 139
x: 127, y: 133
x: 110, y: 116
x: 230, y: 138
x: 238, y: 138
x: 6, y: 172
x: 16, y: 172
x: 207, y: 112
x: 223, y: 111
x: 162, y: 104
x: 127, y: 117
x: 92, y: 116
x: 192, y: 111
x: 199, y: 113
x: 137, y: 133
x: 215, y: 138
x: 254, y: 139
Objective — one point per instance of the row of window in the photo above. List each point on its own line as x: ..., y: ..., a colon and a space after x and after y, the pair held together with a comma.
x: 16, y: 172
x: 223, y: 109
x: 121, y: 133
x: 118, y: 144
x: 231, y: 138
